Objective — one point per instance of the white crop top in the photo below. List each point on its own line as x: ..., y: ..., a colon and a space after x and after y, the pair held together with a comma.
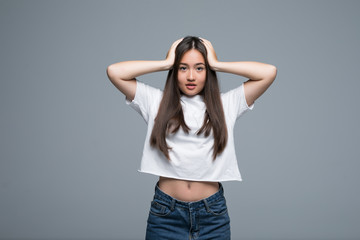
x: 191, y: 155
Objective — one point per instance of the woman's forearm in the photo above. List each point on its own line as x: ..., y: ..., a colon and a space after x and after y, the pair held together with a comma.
x: 123, y: 74
x: 251, y: 70
x: 130, y: 69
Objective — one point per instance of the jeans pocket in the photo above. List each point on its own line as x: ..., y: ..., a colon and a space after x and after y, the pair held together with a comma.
x: 218, y: 208
x: 159, y: 209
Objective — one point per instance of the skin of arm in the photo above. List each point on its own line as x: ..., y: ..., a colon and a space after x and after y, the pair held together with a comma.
x: 261, y: 75
x: 123, y: 74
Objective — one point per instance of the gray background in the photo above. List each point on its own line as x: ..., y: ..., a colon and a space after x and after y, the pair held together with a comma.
x: 70, y: 147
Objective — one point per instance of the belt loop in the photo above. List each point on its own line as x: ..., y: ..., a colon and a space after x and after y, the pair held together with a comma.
x: 206, y: 205
x: 172, y: 204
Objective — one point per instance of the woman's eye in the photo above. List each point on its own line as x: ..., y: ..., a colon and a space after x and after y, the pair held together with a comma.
x: 182, y: 68
x: 200, y: 68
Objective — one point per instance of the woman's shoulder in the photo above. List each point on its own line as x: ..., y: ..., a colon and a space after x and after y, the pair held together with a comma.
x: 234, y: 101
x: 147, y: 92
x: 146, y: 87
x: 233, y: 92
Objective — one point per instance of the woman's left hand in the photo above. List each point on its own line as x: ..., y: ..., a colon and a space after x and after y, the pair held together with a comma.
x: 211, y: 55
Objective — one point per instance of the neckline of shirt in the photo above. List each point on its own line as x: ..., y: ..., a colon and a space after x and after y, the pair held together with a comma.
x: 195, y: 98
x: 195, y: 103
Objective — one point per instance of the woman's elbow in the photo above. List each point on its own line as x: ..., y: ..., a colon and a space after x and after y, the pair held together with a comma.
x: 272, y: 72
x: 111, y: 72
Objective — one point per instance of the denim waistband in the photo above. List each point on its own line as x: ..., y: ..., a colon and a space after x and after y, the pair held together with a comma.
x: 173, y: 202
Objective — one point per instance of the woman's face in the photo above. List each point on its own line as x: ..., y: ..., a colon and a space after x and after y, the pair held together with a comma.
x: 192, y: 73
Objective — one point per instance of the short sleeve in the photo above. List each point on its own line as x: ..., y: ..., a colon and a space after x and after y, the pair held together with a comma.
x: 146, y: 100
x: 234, y: 102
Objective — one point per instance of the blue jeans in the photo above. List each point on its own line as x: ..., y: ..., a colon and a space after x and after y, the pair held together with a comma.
x: 172, y: 219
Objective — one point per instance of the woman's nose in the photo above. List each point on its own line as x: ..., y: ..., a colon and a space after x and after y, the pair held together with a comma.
x: 190, y: 76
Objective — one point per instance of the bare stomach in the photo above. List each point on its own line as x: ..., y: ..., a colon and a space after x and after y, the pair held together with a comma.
x: 187, y: 191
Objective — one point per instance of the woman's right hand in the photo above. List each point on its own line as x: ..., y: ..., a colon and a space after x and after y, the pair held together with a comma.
x: 170, y: 56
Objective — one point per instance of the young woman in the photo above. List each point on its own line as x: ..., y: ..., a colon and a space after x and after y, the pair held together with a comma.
x: 189, y: 142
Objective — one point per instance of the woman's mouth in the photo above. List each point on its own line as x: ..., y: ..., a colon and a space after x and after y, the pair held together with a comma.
x: 190, y: 86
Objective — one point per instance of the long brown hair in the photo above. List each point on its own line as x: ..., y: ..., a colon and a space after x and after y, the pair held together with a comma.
x: 170, y: 116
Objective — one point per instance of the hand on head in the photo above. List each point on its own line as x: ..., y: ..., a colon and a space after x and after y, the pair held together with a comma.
x: 211, y: 55
x: 170, y: 56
